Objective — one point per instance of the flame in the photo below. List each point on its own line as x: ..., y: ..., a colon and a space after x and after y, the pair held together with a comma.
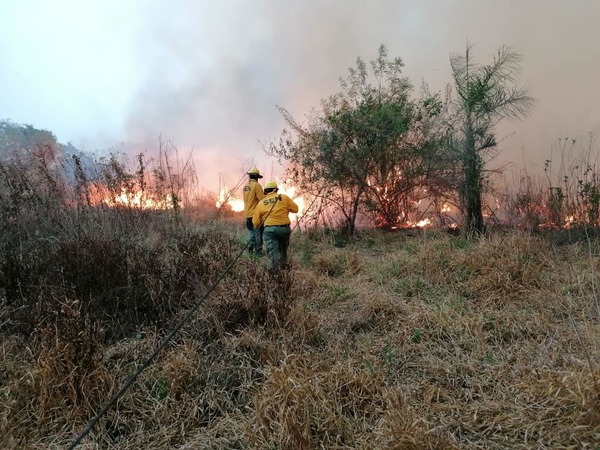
x: 237, y: 204
x: 226, y: 196
x: 290, y: 191
x: 137, y: 199
x: 569, y: 221
x: 446, y: 208
x: 422, y: 223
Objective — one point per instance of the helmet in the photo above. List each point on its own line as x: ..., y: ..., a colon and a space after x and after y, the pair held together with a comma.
x: 254, y: 171
x: 271, y: 185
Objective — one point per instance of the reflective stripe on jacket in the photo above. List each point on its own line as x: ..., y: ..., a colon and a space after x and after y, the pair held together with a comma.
x: 282, y: 205
x: 253, y: 193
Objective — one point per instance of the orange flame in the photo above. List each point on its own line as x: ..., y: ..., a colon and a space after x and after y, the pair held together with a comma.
x: 137, y: 199
x: 237, y: 204
x: 226, y: 197
x: 569, y: 221
x: 446, y: 208
x: 422, y: 223
x: 290, y: 191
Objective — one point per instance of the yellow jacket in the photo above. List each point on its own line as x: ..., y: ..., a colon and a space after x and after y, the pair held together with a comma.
x: 281, y: 204
x: 253, y: 193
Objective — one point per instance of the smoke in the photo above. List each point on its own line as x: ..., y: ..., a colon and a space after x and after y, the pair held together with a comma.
x: 213, y: 72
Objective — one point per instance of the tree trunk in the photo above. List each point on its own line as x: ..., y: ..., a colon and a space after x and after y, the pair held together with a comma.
x: 472, y: 185
x: 351, y: 218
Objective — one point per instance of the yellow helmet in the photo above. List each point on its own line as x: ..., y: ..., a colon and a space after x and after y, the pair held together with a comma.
x: 254, y: 171
x: 271, y: 185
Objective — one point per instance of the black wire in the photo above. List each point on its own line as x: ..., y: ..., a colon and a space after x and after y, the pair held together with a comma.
x: 164, y: 342
x: 226, y: 199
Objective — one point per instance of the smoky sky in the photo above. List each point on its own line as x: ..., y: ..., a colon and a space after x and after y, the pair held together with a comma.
x: 208, y: 75
x: 214, y: 74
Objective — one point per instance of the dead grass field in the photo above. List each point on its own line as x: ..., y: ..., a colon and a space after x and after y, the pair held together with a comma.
x: 408, y: 340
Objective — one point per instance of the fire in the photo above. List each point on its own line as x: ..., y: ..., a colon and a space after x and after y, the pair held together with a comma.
x: 290, y: 191
x: 226, y: 197
x: 569, y: 221
x: 237, y: 204
x: 136, y: 199
x: 422, y: 223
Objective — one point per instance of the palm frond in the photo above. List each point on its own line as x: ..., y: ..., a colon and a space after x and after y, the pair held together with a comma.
x: 463, y: 69
x: 507, y: 102
x: 490, y: 90
x: 505, y: 68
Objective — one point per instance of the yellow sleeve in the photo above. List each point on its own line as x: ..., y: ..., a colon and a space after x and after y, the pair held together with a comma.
x: 259, y: 192
x: 293, y: 207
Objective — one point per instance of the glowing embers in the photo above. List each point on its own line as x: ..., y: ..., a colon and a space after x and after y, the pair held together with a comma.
x: 423, y: 223
x: 569, y: 222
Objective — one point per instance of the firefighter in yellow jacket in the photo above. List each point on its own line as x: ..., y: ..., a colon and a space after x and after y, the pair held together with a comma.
x: 274, y: 210
x: 253, y: 193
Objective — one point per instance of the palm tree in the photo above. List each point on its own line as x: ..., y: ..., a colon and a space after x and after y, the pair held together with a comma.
x: 485, y: 95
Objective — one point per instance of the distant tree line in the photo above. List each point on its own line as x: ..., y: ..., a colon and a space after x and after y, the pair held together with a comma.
x: 37, y: 170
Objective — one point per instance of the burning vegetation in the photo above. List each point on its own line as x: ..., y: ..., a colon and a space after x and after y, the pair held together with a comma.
x: 376, y: 148
x: 370, y: 340
x: 385, y: 340
x: 236, y: 204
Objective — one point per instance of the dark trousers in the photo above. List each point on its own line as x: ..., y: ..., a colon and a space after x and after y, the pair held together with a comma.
x: 255, y: 237
x: 277, y: 239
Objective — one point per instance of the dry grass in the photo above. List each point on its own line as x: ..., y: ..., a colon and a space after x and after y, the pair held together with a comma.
x: 394, y: 341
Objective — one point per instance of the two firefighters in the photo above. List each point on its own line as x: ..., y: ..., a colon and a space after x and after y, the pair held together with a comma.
x: 267, y: 217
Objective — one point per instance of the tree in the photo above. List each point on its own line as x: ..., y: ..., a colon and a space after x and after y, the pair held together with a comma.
x: 366, y: 147
x: 29, y: 167
x: 485, y: 95
x: 25, y: 142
